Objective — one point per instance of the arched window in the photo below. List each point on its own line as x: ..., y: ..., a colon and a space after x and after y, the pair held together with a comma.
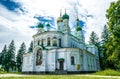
x: 59, y: 42
x: 48, y: 41
x: 54, y: 41
x: 42, y: 41
x: 38, y: 42
x: 39, y: 57
x: 72, y: 60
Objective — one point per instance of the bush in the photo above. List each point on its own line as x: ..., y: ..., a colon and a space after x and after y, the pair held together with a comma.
x: 2, y: 71
x: 108, y: 72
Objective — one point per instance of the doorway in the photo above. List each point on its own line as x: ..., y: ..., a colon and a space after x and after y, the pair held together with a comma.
x: 61, y: 65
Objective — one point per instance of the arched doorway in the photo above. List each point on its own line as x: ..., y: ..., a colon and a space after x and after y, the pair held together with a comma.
x: 61, y: 63
x: 39, y: 57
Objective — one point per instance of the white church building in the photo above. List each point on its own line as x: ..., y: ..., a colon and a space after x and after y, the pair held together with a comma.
x: 60, y: 51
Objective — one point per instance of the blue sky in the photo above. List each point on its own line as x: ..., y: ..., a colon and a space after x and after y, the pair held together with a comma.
x: 19, y: 17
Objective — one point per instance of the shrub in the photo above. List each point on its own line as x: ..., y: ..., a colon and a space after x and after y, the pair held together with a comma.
x: 2, y: 71
x: 108, y: 72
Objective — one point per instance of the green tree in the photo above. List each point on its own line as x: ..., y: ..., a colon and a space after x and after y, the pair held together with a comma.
x: 103, y: 56
x: 10, y: 56
x: 94, y: 39
x: 3, y: 57
x: 30, y: 49
x: 19, y: 58
x: 113, y: 45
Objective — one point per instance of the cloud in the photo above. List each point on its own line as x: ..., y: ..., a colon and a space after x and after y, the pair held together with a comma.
x: 16, y: 24
x: 92, y: 12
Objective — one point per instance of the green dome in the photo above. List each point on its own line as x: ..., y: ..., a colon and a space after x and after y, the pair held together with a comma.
x: 40, y: 25
x: 65, y: 16
x: 78, y: 28
x: 48, y: 25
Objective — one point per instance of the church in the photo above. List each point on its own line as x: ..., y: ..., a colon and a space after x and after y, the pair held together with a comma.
x: 60, y: 51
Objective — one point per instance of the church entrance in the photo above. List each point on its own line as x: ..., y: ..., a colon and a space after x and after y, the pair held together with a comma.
x: 61, y: 65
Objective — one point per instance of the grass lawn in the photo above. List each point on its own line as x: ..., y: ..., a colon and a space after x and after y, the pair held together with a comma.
x: 108, y: 72
x: 55, y: 77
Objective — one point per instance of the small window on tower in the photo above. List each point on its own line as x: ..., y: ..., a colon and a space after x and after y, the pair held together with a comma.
x: 48, y: 41
x: 72, y: 60
x: 59, y: 42
x: 38, y: 42
x: 54, y: 41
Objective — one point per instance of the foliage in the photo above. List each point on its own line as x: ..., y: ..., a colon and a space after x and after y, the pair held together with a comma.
x: 113, y: 44
x: 108, y: 72
x: 2, y: 71
x: 4, y: 57
x: 10, y: 57
x: 113, y: 17
x: 19, y: 58
x: 30, y: 49
x: 103, y: 55
x: 93, y: 39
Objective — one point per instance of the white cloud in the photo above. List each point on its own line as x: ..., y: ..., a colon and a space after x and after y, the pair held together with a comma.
x: 95, y: 8
x: 16, y: 26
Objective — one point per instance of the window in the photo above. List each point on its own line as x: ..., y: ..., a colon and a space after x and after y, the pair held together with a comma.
x: 48, y: 41
x: 59, y: 42
x: 54, y: 41
x: 42, y: 42
x: 39, y: 57
x: 72, y: 60
x: 38, y: 42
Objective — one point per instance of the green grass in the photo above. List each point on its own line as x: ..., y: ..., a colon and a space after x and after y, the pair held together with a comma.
x: 108, y: 72
x: 55, y: 77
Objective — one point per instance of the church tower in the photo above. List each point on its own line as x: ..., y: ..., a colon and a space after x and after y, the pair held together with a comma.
x: 60, y: 22
x: 66, y: 28
x: 40, y: 28
x: 78, y: 31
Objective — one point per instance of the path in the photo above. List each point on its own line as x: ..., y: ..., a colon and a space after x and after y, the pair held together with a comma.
x: 22, y: 75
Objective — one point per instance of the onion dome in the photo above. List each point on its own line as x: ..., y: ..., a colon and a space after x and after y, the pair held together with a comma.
x: 59, y: 19
x: 78, y: 28
x: 40, y: 25
x: 65, y: 16
x: 48, y: 25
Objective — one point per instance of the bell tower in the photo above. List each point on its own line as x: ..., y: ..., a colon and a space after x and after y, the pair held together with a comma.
x: 78, y: 31
x: 66, y: 28
x: 60, y: 22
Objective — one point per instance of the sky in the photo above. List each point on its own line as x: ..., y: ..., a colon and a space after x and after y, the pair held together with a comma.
x: 19, y: 18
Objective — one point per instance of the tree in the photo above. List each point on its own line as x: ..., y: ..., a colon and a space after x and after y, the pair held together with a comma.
x: 30, y: 49
x: 19, y: 58
x: 103, y: 55
x: 113, y: 44
x: 10, y: 56
x: 105, y: 34
x: 113, y: 17
x: 0, y: 58
x: 3, y: 57
x: 93, y: 39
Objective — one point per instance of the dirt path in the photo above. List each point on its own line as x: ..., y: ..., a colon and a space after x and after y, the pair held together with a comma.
x: 22, y: 75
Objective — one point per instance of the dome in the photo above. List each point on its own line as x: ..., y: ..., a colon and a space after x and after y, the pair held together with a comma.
x: 78, y: 28
x: 40, y: 25
x: 65, y: 16
x: 48, y: 25
x: 59, y: 19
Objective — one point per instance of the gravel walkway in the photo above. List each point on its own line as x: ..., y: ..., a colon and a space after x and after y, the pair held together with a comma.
x: 22, y: 75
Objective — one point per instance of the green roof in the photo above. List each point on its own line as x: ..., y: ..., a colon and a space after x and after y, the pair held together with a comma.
x: 65, y: 16
x: 40, y: 25
x: 61, y: 59
x: 48, y: 25
x: 78, y: 28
